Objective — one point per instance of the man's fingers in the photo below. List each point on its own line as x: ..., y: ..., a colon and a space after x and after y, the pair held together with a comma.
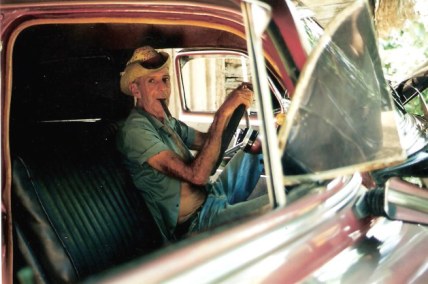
x: 246, y: 96
x: 246, y: 85
x: 241, y: 95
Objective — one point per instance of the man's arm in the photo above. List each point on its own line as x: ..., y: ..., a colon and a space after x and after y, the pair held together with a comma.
x: 199, y: 170
x: 199, y: 140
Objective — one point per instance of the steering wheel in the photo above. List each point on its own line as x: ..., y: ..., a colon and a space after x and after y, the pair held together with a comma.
x: 228, y: 133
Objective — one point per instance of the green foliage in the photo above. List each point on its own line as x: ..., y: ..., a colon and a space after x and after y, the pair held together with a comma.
x: 402, y: 52
x: 414, y: 105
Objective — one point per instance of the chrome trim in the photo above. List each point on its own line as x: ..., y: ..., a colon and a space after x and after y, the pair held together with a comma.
x: 254, y: 32
x: 413, y: 132
x: 255, y: 249
x: 406, y: 201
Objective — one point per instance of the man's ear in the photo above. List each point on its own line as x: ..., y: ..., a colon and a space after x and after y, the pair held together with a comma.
x: 134, y: 90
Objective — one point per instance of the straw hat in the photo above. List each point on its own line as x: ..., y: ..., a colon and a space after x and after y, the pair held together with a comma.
x: 144, y: 61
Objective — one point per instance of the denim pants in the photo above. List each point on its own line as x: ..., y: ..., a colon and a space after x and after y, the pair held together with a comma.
x: 227, y: 196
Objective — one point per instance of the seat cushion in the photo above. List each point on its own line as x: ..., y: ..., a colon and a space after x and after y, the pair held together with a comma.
x: 74, y: 206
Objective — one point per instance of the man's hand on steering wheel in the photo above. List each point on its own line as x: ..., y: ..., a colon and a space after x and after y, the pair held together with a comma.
x: 236, y: 103
x: 242, y: 95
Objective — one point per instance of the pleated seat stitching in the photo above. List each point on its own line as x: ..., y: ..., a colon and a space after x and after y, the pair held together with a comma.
x: 43, y: 198
x: 106, y: 208
x: 92, y: 233
x: 91, y: 229
x: 119, y: 199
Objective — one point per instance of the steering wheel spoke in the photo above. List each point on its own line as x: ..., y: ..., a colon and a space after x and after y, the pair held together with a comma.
x: 228, y: 133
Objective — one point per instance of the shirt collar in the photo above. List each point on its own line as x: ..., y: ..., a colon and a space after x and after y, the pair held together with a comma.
x: 154, y: 121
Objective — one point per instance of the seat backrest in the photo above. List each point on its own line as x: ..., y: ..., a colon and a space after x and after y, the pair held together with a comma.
x: 75, y: 210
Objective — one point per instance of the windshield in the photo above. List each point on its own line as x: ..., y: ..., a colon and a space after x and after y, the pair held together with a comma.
x: 341, y: 117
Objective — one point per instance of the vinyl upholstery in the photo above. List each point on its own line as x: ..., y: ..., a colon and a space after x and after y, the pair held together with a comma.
x: 75, y: 210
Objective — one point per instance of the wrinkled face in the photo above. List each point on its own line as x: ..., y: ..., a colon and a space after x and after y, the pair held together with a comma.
x: 150, y: 89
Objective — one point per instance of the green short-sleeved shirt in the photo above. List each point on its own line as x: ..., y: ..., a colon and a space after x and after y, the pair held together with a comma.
x: 141, y: 137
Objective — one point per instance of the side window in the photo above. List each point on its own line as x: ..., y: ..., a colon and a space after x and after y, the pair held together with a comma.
x: 208, y: 78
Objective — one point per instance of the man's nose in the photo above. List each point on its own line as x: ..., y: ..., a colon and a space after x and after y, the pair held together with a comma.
x: 163, y: 85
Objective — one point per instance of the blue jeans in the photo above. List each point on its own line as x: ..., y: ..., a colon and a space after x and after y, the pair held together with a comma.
x: 227, y: 196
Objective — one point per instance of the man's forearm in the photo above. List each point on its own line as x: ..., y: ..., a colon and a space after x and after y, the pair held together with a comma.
x: 199, y: 170
x: 205, y: 160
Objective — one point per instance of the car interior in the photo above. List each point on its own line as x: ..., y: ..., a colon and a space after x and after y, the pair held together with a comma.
x: 75, y: 210
x: 74, y: 207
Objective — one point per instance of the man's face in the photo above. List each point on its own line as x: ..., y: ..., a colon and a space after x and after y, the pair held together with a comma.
x: 150, y: 89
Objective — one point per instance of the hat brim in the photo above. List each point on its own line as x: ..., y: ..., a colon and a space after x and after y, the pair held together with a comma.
x: 135, y: 70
